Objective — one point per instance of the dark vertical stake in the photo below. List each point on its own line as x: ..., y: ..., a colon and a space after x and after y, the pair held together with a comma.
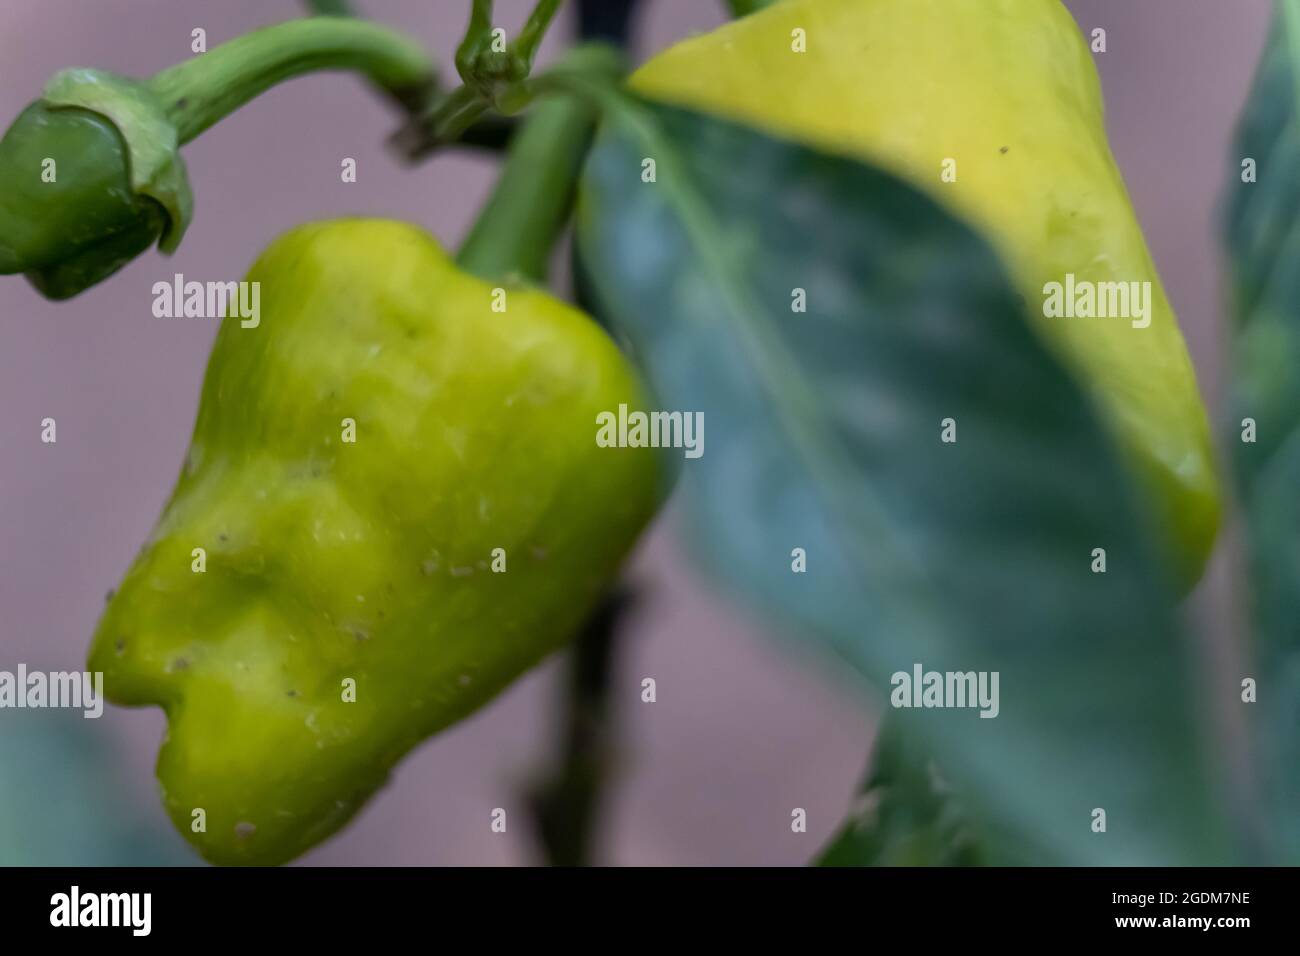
x: 565, y: 800
x: 608, y: 20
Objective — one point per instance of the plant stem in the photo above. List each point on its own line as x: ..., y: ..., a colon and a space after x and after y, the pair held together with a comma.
x: 530, y: 38
x: 480, y: 21
x: 492, y: 133
x: 203, y: 90
x: 530, y: 205
x: 566, y: 799
x: 459, y: 110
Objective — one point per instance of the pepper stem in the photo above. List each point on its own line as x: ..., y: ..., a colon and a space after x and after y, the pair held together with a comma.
x: 539, y: 21
x: 201, y: 91
x: 496, y: 72
x: 527, y: 211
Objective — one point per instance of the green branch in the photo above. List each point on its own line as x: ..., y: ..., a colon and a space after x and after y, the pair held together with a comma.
x: 205, y: 89
x: 565, y: 800
x: 530, y: 205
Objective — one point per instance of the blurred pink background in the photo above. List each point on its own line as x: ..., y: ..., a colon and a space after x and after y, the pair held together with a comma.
x: 741, y: 733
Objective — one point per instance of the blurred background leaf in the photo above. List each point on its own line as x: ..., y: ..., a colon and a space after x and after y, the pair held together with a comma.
x: 63, y: 801
x: 332, y: 8
x: 1262, y: 231
x: 823, y: 433
x: 906, y: 815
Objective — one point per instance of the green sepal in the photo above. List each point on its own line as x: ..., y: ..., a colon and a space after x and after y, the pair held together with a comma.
x: 153, y: 147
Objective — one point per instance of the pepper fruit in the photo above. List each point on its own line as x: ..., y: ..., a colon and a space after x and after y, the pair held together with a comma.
x: 1007, y: 89
x: 463, y: 535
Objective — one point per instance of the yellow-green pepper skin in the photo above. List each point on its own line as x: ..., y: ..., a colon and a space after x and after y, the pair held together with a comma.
x: 374, y: 561
x: 1003, y: 96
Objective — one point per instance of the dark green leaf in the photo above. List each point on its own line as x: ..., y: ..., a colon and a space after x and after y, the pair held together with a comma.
x: 823, y: 433
x: 1263, y: 236
x: 906, y: 815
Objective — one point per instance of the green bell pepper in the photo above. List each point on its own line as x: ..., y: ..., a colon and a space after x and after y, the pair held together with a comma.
x: 401, y: 506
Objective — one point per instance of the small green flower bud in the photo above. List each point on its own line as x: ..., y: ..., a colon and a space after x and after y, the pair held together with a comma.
x: 93, y: 178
